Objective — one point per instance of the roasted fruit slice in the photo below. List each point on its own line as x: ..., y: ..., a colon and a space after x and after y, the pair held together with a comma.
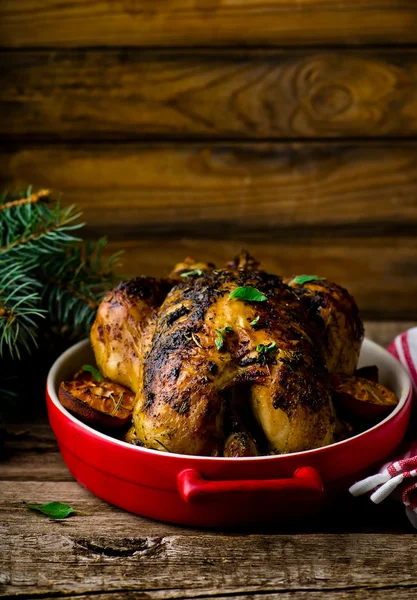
x: 358, y: 397
x: 103, y: 404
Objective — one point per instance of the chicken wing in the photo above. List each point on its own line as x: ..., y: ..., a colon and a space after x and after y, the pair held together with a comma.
x: 336, y: 315
x: 124, y: 326
x: 205, y: 362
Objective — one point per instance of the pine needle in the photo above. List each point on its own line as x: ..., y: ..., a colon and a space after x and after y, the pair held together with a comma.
x: 46, y: 272
x: 31, y: 199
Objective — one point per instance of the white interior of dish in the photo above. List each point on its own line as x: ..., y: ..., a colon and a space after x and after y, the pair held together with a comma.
x: 391, y: 374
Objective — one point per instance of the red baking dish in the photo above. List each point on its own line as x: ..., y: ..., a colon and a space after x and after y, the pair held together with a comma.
x: 208, y: 491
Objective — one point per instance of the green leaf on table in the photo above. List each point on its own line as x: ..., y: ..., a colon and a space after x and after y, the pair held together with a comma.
x: 95, y: 372
x: 53, y: 510
x: 300, y: 279
x: 248, y: 293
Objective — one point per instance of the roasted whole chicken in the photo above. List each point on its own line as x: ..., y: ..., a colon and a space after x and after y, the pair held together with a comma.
x: 228, y: 362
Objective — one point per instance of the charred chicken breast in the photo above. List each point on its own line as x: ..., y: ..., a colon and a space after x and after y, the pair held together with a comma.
x: 180, y: 406
x: 231, y: 362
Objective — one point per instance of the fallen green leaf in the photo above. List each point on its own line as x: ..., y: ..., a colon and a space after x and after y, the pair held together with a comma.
x: 53, y: 510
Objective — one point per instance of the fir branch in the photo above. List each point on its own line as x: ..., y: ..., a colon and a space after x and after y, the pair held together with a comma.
x: 19, y: 310
x: 41, y: 232
x: 31, y: 199
x: 46, y: 272
x: 72, y: 291
x: 75, y: 282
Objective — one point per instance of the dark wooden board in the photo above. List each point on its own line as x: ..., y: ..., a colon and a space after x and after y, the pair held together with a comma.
x: 206, y: 22
x: 229, y: 190
x: 401, y: 592
x: 379, y: 272
x: 105, y: 550
x: 347, y: 210
x: 354, y: 551
x: 128, y: 94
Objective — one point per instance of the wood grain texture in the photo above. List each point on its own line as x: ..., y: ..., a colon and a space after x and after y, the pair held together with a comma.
x: 348, y: 210
x: 378, y: 272
x: 107, y: 550
x: 229, y: 191
x: 401, y: 592
x: 205, y: 22
x: 128, y: 94
x: 360, y: 515
x: 104, y: 552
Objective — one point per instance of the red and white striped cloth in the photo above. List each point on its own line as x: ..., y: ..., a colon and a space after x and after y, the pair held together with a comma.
x: 398, y: 476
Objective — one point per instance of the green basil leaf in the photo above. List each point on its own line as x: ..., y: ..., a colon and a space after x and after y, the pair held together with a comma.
x: 305, y: 279
x: 219, y: 341
x: 255, y: 321
x: 53, y: 510
x: 194, y: 273
x: 95, y: 372
x: 221, y: 334
x: 248, y: 293
x: 262, y: 349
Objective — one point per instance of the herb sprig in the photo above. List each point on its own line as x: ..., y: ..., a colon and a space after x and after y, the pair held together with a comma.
x: 266, y: 349
x: 194, y: 273
x: 163, y: 445
x: 300, y: 279
x: 221, y: 335
x: 248, y: 293
x: 95, y: 372
x: 255, y: 321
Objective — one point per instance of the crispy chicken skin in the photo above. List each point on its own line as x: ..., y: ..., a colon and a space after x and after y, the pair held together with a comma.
x: 180, y: 407
x: 124, y: 326
x: 265, y: 388
x: 336, y: 315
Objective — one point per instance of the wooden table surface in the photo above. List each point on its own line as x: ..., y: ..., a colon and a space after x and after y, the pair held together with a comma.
x: 357, y: 550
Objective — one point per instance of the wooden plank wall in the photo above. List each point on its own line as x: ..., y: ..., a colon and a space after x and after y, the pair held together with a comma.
x: 196, y: 127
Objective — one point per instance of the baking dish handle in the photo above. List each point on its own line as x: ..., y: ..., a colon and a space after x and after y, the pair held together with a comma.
x: 195, y: 489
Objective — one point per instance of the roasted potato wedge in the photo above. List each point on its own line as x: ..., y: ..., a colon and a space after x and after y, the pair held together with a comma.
x: 102, y: 404
x: 359, y: 397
